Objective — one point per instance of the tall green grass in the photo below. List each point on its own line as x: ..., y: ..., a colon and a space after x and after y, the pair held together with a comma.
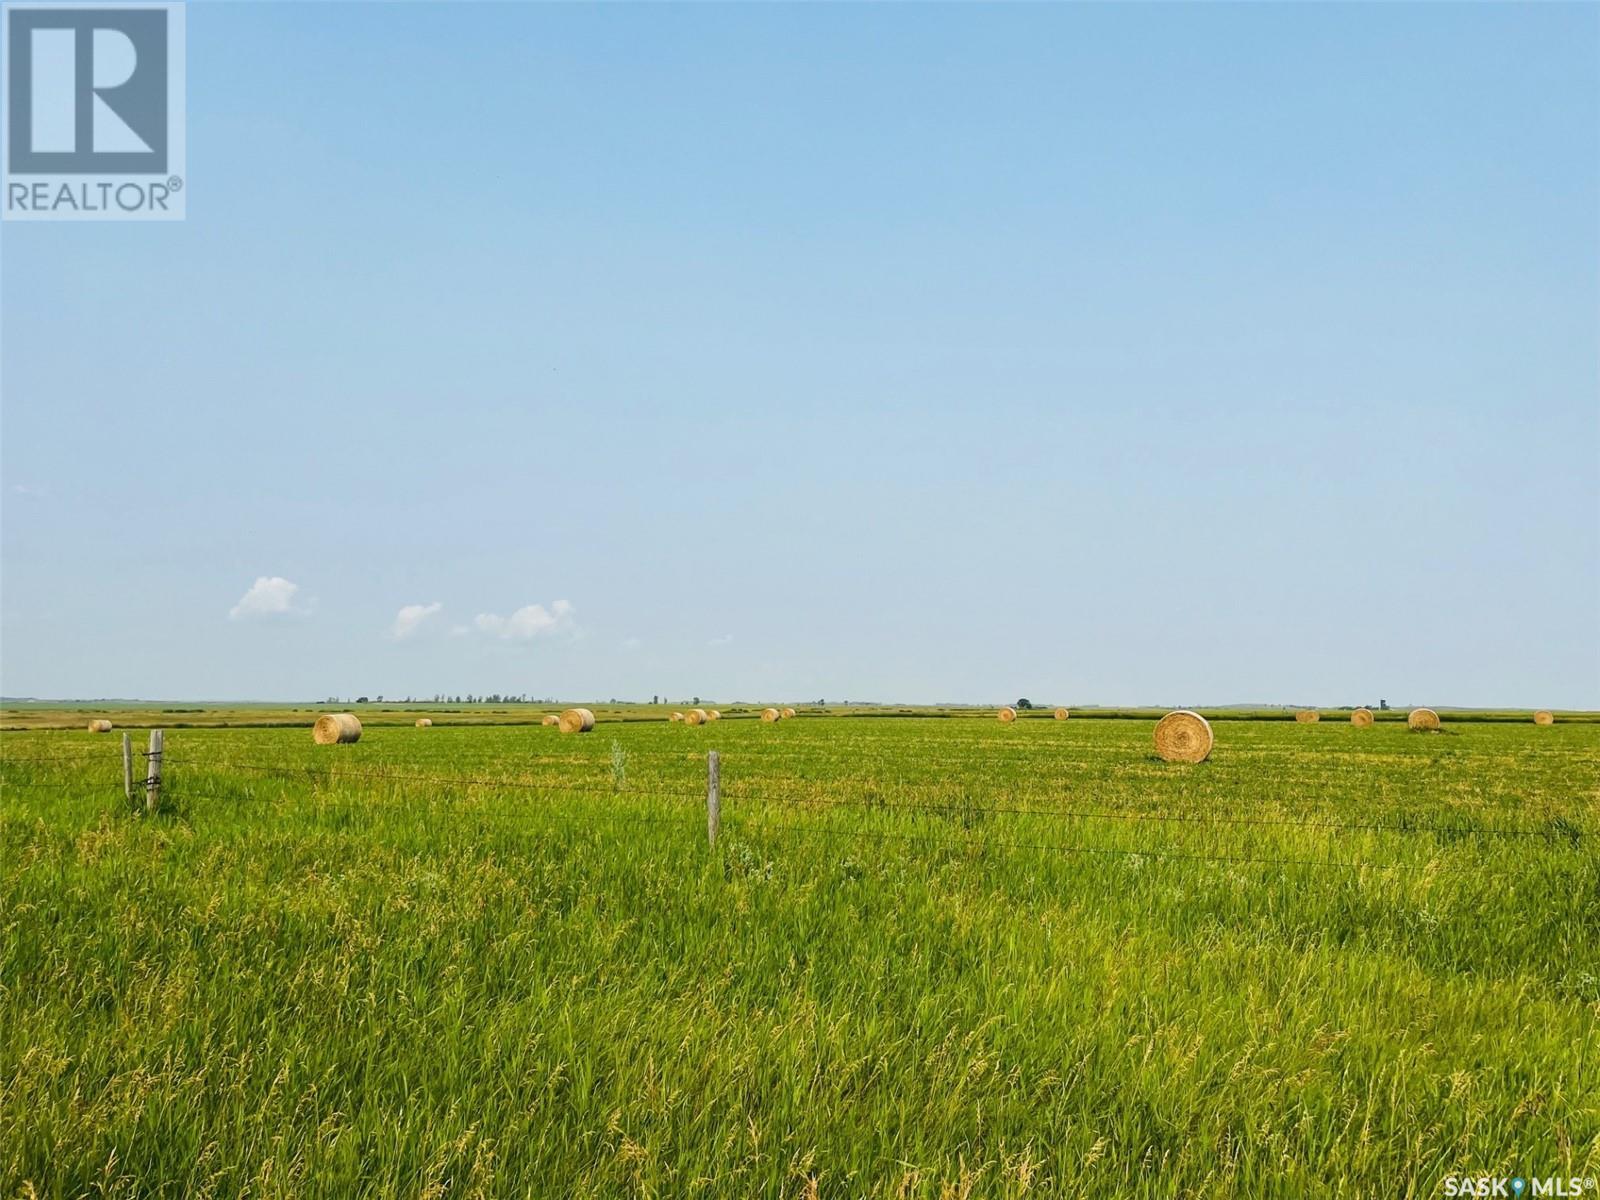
x: 926, y: 958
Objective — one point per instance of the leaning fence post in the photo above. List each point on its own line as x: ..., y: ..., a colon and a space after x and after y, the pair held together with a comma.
x: 713, y: 796
x: 127, y: 766
x: 152, y: 778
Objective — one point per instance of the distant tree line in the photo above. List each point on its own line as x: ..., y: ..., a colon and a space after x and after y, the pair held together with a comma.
x: 441, y: 698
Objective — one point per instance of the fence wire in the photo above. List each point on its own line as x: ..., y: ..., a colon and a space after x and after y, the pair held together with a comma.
x: 752, y: 803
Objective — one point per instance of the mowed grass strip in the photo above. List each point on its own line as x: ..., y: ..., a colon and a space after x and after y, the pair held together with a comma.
x: 498, y: 962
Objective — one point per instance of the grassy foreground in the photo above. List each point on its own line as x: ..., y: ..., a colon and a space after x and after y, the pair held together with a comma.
x: 928, y: 957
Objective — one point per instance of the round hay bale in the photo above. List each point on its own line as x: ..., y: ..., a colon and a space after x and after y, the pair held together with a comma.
x: 333, y: 729
x: 1308, y: 716
x: 788, y: 712
x: 675, y: 717
x: 424, y: 723
x: 1361, y: 718
x: 1544, y: 717
x: 100, y: 725
x: 1424, y: 719
x: 1183, y: 736
x: 696, y: 716
x: 769, y: 715
x: 1062, y: 714
x: 1007, y: 715
x: 576, y: 720
x: 549, y: 719
x: 713, y: 715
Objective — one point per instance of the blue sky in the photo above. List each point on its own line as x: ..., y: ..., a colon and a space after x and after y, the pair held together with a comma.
x: 1094, y: 354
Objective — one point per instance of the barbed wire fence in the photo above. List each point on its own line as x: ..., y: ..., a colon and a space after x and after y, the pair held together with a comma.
x: 756, y: 805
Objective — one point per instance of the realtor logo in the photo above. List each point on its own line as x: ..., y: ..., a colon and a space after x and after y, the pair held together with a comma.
x: 94, y: 112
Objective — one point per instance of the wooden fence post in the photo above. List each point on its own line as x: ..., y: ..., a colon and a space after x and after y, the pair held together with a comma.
x: 713, y: 796
x: 127, y: 767
x: 152, y: 778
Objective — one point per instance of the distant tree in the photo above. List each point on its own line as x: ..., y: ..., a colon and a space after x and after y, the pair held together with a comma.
x: 361, y: 699
x: 1383, y: 706
x: 1024, y: 704
x: 696, y: 700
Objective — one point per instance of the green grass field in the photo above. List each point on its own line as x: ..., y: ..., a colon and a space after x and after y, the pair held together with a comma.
x: 928, y: 956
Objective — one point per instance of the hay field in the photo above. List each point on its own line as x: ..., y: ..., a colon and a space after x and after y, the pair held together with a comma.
x: 928, y: 957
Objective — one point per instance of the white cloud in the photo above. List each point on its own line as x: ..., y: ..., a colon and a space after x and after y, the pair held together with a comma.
x: 410, y: 618
x: 530, y: 621
x: 269, y: 596
x: 725, y: 640
x: 460, y: 630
